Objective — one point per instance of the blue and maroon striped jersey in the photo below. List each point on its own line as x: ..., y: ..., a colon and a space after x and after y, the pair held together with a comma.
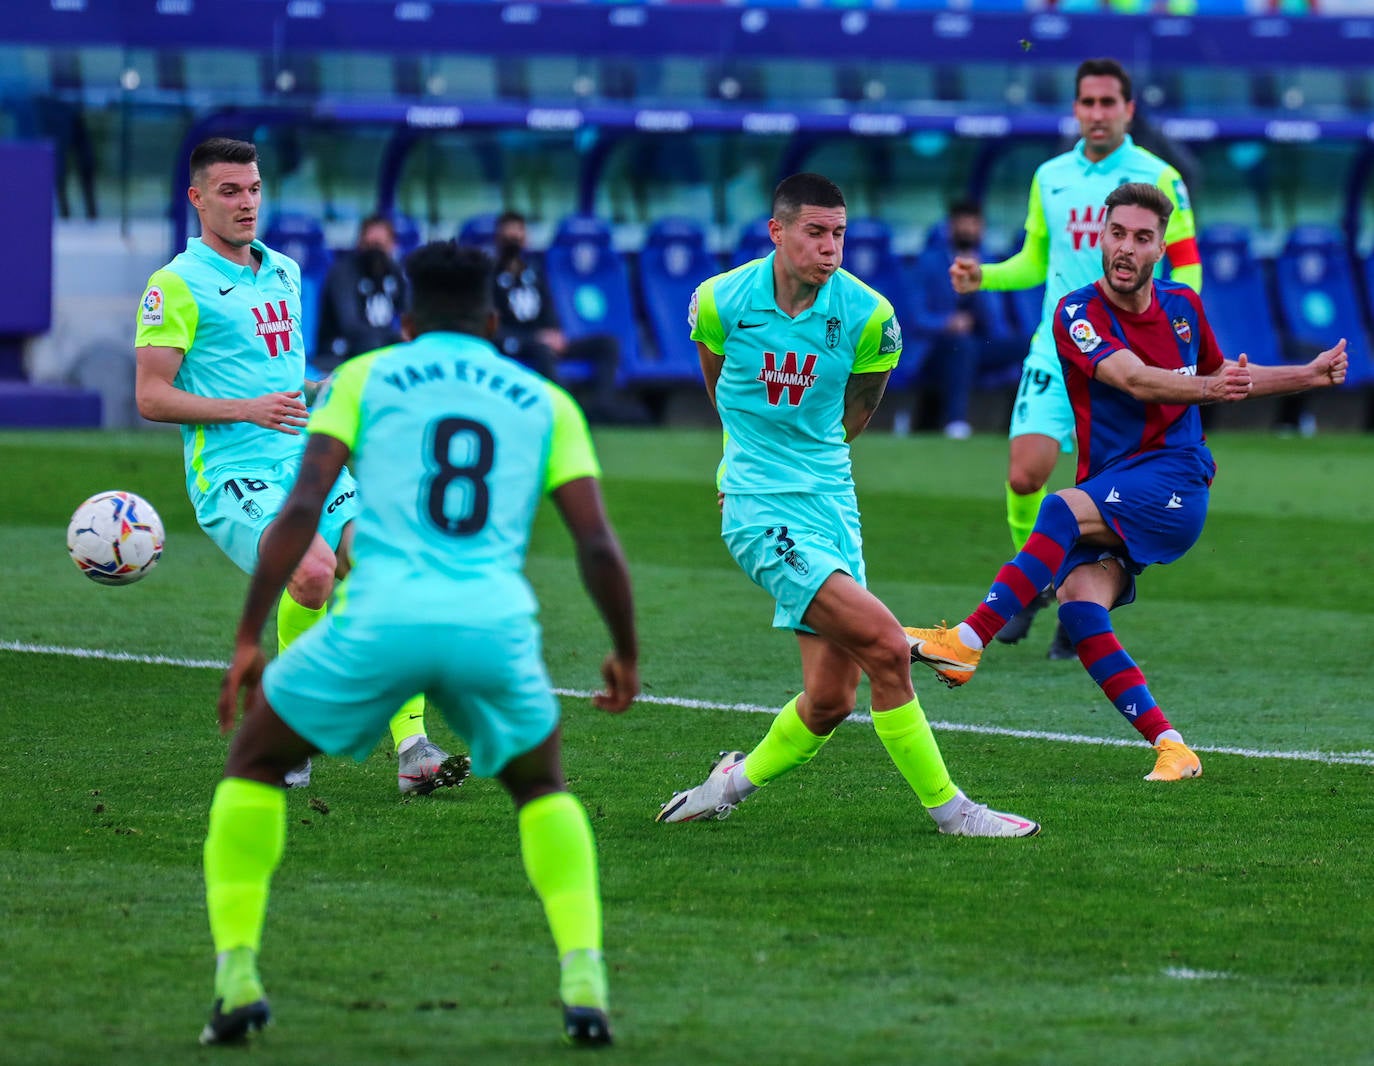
x: 1172, y: 334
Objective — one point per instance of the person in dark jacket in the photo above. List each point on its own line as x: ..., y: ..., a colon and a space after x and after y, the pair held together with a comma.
x: 364, y: 295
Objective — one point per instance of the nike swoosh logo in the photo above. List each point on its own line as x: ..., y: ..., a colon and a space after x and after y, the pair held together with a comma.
x: 412, y: 717
x: 226, y: 292
x: 749, y: 325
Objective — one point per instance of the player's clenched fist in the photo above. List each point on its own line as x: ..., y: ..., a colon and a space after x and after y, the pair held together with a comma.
x: 965, y: 274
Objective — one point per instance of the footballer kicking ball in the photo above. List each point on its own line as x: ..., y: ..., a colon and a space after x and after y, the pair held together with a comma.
x: 115, y: 538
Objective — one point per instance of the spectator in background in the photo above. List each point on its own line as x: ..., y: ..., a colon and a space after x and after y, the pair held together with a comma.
x: 528, y: 330
x: 967, y: 331
x: 364, y: 295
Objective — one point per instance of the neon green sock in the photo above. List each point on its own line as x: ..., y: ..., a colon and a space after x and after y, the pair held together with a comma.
x: 242, y: 849
x: 787, y: 745
x: 409, y: 721
x: 1021, y: 514
x: 236, y: 979
x: 560, y: 860
x: 906, y: 735
x: 582, y: 980
x: 293, y: 620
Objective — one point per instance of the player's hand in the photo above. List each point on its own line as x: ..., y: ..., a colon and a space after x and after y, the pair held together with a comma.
x: 1232, y: 384
x: 242, y: 678
x: 282, y: 411
x: 720, y: 502
x: 622, y: 684
x: 1329, y: 368
x: 965, y: 274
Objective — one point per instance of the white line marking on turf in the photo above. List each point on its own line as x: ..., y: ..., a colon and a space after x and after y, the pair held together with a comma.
x: 1349, y: 758
x: 1183, y: 973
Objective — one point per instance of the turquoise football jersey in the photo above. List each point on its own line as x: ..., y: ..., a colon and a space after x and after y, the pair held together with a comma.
x: 453, y: 446
x: 241, y: 332
x: 1067, y: 205
x: 781, y: 390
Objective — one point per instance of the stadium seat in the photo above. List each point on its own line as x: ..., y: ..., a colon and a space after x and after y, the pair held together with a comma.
x: 591, y: 288
x: 1318, y: 298
x: 1237, y: 302
x: 301, y: 237
x: 753, y: 242
x: 673, y: 262
x: 408, y: 236
x: 868, y: 255
x: 479, y: 232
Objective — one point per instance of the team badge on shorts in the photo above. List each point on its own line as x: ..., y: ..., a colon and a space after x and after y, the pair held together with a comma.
x: 797, y: 561
x: 1183, y: 328
x: 1081, y: 332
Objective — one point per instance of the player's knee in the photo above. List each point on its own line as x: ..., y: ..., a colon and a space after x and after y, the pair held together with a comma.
x: 313, y: 581
x: 889, y: 658
x: 1025, y: 481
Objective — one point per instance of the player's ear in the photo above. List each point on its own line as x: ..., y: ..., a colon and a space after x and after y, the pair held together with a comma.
x: 493, y: 323
x: 408, y: 330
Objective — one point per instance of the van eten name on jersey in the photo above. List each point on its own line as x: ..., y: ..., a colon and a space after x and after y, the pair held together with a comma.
x: 409, y: 376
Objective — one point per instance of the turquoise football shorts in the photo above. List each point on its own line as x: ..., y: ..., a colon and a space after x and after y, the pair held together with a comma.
x: 339, y: 684
x: 236, y: 515
x: 1042, y: 403
x: 790, y: 543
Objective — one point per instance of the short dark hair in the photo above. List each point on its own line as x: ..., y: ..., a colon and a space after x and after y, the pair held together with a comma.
x: 1102, y: 68
x: 450, y: 287
x: 220, y: 150
x: 509, y: 216
x: 1142, y: 194
x: 804, y: 190
x: 377, y: 219
x: 965, y: 207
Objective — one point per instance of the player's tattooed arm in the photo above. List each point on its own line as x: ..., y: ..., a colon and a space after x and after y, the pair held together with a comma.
x: 862, y: 394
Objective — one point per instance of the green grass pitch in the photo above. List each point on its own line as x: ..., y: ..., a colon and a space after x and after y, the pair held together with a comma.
x: 1225, y: 920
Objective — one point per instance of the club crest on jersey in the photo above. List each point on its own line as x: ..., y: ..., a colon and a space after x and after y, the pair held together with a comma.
x: 285, y: 280
x: 1081, y: 332
x: 1183, y: 328
x: 274, y: 327
x: 832, y: 332
x: 788, y: 377
x: 152, y: 307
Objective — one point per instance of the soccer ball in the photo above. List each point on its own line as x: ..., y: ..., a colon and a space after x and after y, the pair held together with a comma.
x: 115, y: 538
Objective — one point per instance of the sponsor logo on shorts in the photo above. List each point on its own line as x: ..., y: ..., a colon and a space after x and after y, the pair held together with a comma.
x: 1174, y: 502
x: 338, y: 501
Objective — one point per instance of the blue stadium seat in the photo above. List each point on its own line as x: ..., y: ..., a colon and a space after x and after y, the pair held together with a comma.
x: 868, y: 255
x: 673, y: 262
x: 753, y: 242
x: 591, y: 287
x: 1236, y: 300
x: 1318, y: 300
x: 479, y: 232
x: 301, y: 237
x: 408, y: 234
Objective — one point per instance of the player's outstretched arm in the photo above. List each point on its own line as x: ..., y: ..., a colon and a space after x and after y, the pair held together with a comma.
x: 1124, y: 370
x: 1325, y: 371
x: 281, y: 549
x: 161, y: 401
x: 862, y: 394
x: 607, y: 580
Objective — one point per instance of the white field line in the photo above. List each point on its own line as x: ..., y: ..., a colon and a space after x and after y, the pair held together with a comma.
x: 1352, y: 758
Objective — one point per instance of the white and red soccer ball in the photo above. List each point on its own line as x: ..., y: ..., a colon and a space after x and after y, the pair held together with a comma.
x: 115, y: 538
